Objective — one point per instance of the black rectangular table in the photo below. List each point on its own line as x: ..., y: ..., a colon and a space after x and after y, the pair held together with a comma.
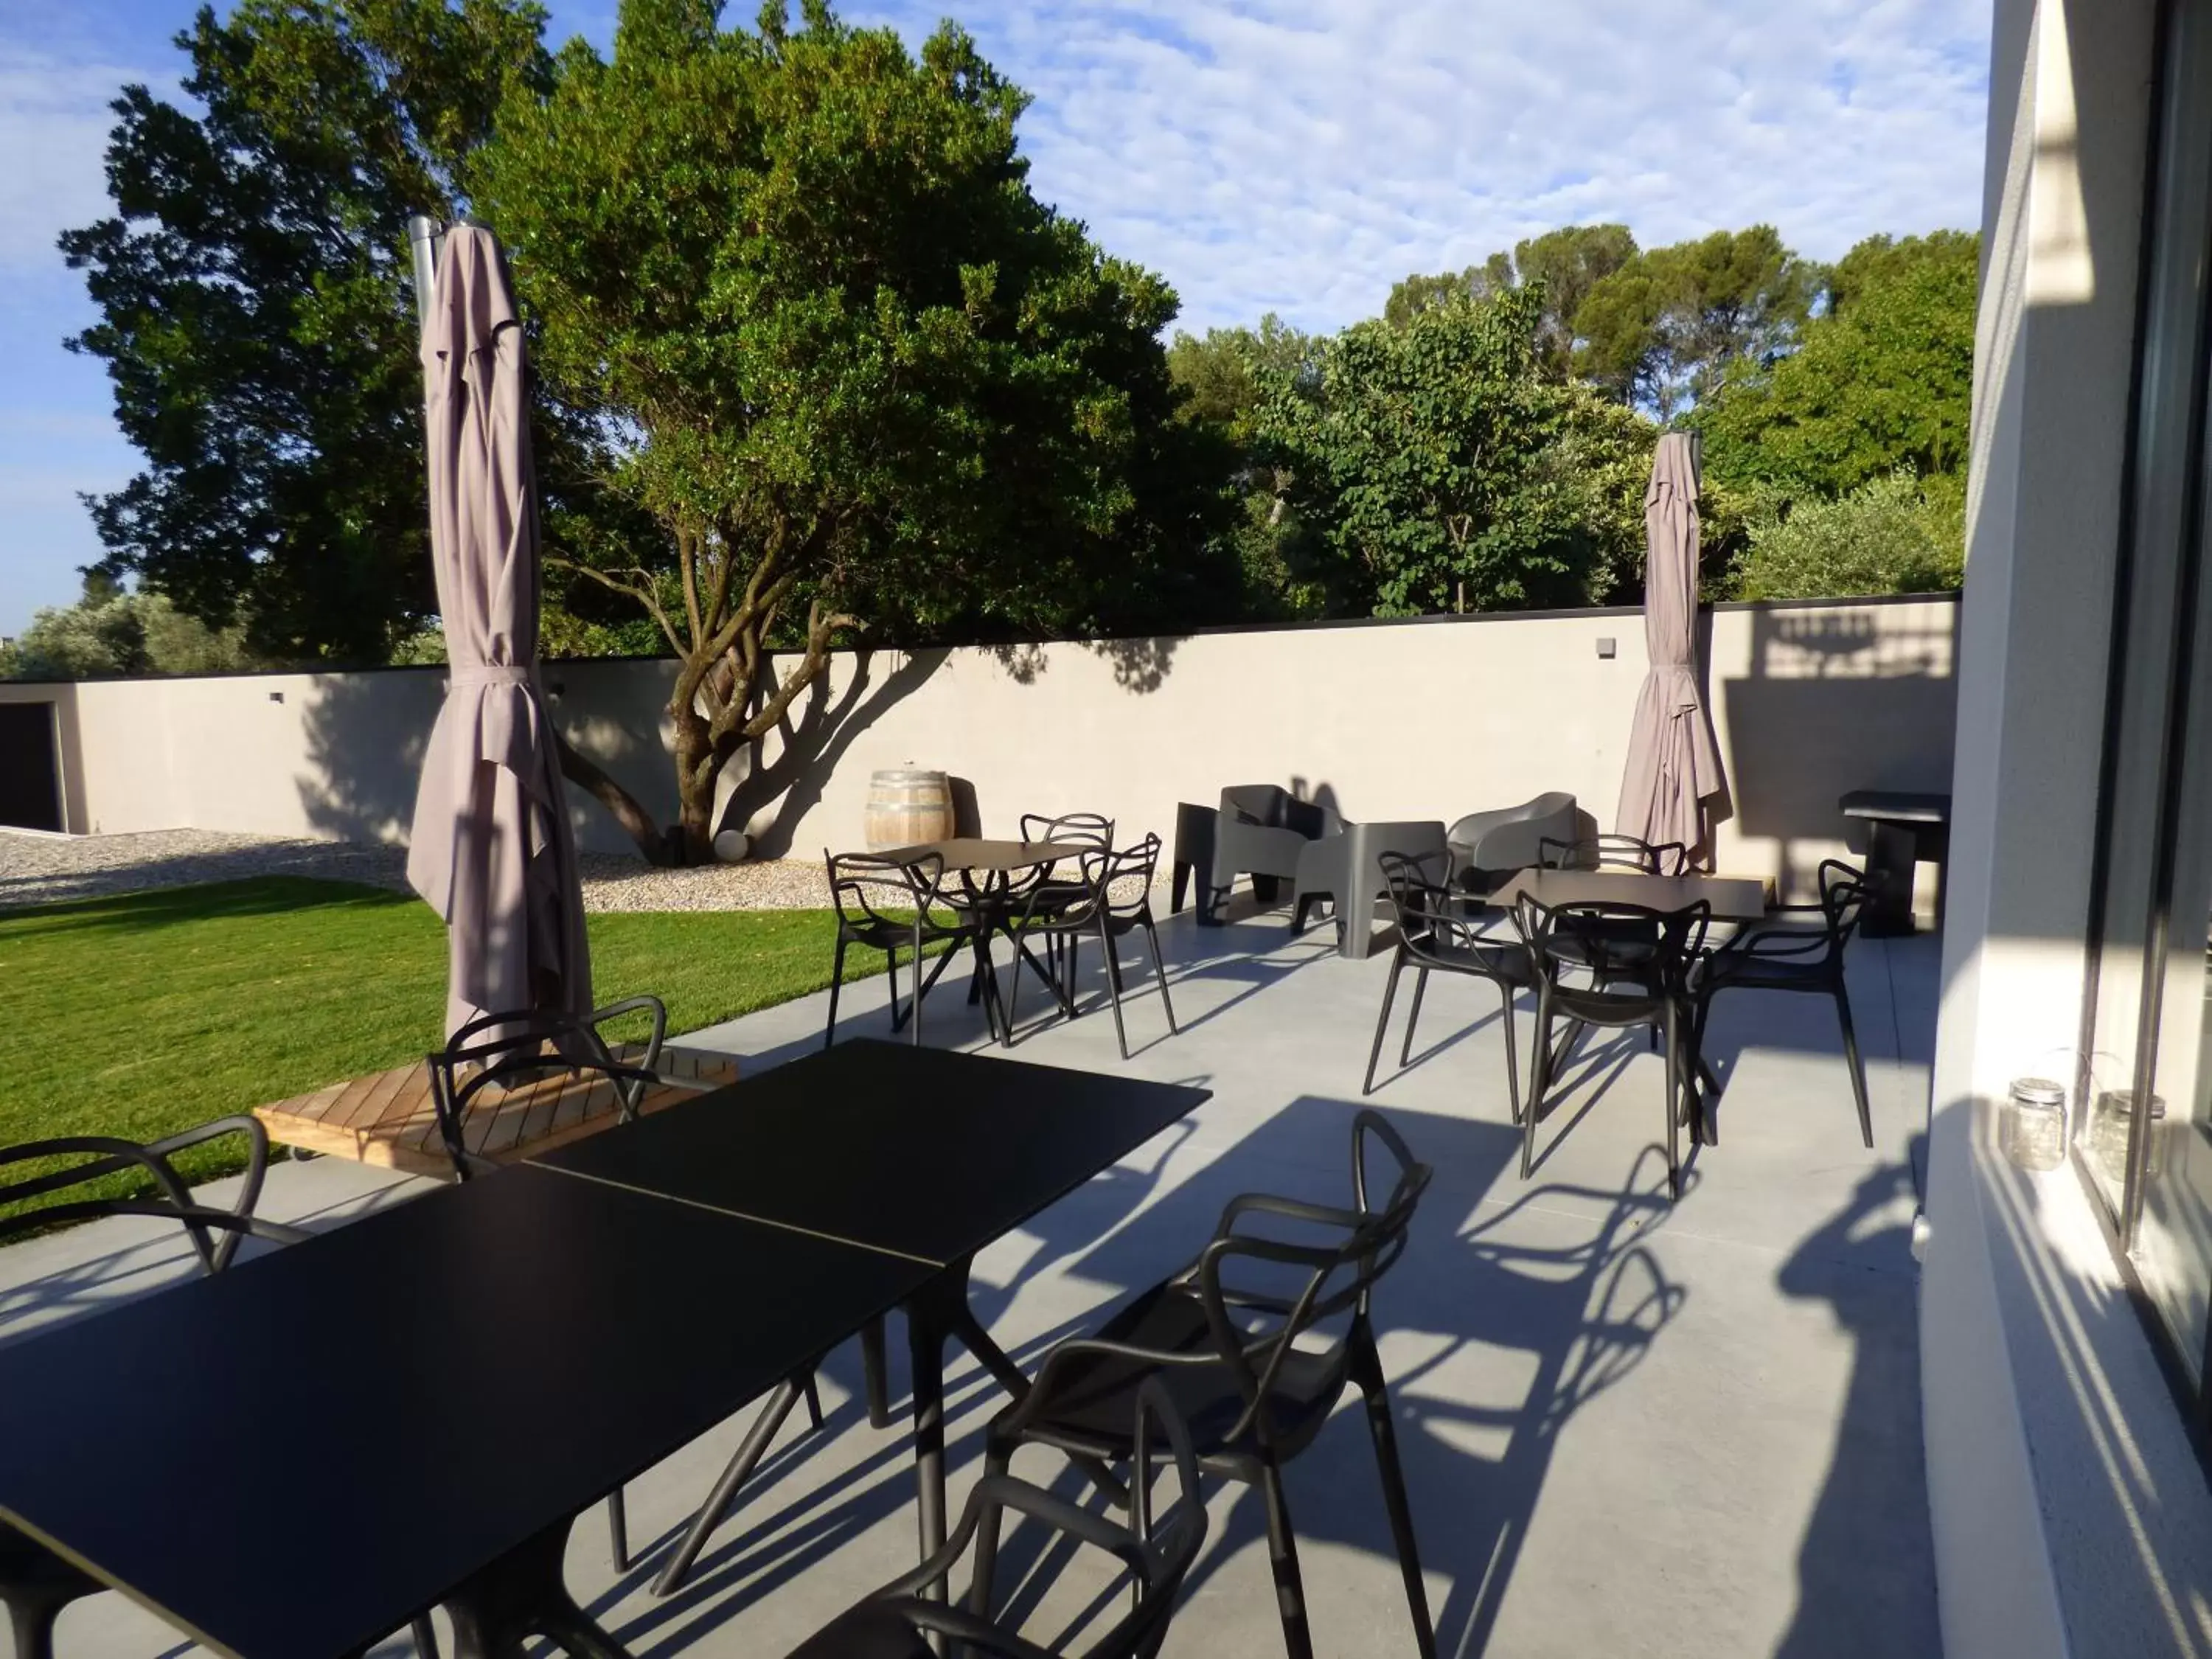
x: 484, y: 1363
x: 925, y: 1152
x: 469, y: 1369
x: 1902, y: 827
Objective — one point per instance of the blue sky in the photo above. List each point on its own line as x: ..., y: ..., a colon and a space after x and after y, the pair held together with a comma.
x: 1288, y: 155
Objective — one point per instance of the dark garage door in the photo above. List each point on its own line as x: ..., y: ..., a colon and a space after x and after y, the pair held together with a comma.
x: 30, y: 781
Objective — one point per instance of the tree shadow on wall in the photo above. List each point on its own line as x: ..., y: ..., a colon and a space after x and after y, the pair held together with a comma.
x: 813, y: 743
x: 1140, y: 665
x: 1865, y: 695
x: 366, y: 736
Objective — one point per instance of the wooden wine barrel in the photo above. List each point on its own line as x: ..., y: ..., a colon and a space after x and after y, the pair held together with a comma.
x: 908, y: 805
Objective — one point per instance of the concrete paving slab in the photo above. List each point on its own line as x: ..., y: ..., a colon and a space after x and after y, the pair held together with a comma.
x: 1628, y: 1426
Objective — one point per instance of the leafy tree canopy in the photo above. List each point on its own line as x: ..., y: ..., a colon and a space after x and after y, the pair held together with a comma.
x: 864, y: 378
x: 1895, y: 533
x: 255, y: 316
x: 111, y: 632
x: 1883, y: 379
x: 1662, y: 330
x: 1568, y: 263
x: 1448, y: 472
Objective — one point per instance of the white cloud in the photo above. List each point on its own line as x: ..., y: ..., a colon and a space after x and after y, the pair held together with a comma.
x: 1301, y: 156
x: 54, y: 122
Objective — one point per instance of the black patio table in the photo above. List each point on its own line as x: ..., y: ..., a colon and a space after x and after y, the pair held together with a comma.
x: 926, y: 1152
x: 299, y: 1456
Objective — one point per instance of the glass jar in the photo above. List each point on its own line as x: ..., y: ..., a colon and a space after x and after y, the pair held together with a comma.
x: 2108, y: 1135
x: 2032, y: 1130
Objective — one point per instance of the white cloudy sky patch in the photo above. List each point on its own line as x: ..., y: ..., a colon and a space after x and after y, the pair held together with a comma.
x: 1299, y: 157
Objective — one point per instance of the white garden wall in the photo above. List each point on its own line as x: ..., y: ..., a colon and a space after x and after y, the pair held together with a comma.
x: 1420, y: 718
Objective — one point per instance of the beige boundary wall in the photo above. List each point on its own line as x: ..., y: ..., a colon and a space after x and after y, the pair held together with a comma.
x: 1432, y: 718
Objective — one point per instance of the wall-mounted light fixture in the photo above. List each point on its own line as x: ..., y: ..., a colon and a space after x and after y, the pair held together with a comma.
x: 1606, y: 646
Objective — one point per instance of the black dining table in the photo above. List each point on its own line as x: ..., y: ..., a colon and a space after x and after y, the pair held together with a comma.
x: 299, y: 1456
x: 987, y: 869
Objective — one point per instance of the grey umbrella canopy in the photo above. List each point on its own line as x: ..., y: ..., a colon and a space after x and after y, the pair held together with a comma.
x: 1673, y: 789
x: 491, y: 850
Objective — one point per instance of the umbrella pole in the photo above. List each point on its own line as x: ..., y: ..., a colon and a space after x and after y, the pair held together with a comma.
x: 425, y: 235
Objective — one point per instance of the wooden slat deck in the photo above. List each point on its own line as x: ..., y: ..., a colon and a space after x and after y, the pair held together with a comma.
x: 387, y: 1119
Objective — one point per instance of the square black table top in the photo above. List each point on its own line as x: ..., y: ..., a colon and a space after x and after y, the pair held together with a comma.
x: 295, y: 1456
x: 921, y: 1150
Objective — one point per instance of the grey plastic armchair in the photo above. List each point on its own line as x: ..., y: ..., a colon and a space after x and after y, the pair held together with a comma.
x: 1347, y: 869
x: 1260, y: 831
x: 1487, y: 847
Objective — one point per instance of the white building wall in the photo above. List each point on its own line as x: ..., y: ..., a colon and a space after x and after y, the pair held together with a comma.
x: 2070, y: 1515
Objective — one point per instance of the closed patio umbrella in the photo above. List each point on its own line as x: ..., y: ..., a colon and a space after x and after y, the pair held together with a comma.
x: 491, y: 850
x: 1674, y: 768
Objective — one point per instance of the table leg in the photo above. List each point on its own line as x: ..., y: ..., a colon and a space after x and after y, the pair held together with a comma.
x: 1891, y: 851
x: 523, y: 1596
x: 925, y: 1333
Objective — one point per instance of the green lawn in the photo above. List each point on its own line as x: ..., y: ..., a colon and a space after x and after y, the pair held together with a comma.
x: 142, y: 1015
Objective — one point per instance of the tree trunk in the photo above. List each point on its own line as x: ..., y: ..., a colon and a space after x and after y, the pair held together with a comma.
x: 637, y: 823
x: 697, y: 771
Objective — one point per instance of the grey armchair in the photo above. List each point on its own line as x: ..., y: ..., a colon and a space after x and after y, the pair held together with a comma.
x: 1347, y: 869
x: 1259, y: 830
x: 1487, y: 847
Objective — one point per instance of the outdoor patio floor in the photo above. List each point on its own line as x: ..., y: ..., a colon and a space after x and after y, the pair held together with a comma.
x: 1629, y: 1427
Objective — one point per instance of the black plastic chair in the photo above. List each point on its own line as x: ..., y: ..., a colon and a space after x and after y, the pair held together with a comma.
x: 35, y: 1584
x: 1155, y: 1551
x: 888, y: 905
x: 1667, y: 858
x: 1779, y: 955
x: 1089, y: 830
x: 1435, y: 935
x: 109, y: 1156
x: 1102, y: 912
x: 1612, y: 966
x: 497, y: 1051
x: 1225, y: 1344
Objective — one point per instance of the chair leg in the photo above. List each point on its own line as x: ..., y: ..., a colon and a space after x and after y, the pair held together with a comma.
x: 1014, y: 995
x: 750, y: 1453
x: 813, y: 1403
x: 618, y: 1530
x: 1413, y: 1017
x: 1367, y: 1374
x: 1114, y: 983
x: 1673, y: 1104
x: 1159, y: 967
x: 426, y: 1637
x: 1858, y: 1068
x: 1283, y: 1555
x: 1382, y: 1019
x: 1512, y: 1058
x: 891, y: 979
x: 995, y: 1460
x: 836, y: 979
x: 1540, y: 1077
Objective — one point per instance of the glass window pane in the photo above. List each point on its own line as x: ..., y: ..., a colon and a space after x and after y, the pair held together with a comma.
x: 2168, y: 439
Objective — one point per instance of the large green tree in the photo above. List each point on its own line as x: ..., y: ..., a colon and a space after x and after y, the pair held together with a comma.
x: 1568, y: 263
x: 255, y: 314
x: 1449, y: 471
x: 1662, y: 330
x: 867, y: 382
x: 1882, y: 378
x: 1228, y: 377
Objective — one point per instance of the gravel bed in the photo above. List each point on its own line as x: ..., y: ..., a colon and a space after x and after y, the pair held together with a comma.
x: 37, y: 869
